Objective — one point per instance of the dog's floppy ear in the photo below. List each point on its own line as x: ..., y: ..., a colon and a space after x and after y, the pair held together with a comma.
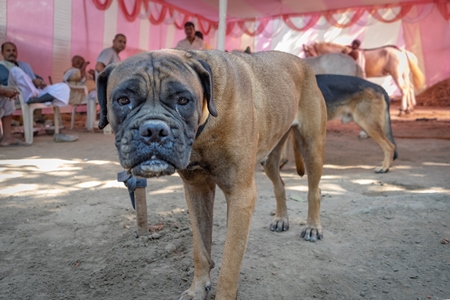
x: 102, y: 84
x: 206, y: 77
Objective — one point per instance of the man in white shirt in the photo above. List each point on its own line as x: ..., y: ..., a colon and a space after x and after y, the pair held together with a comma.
x: 191, y: 42
x: 111, y: 55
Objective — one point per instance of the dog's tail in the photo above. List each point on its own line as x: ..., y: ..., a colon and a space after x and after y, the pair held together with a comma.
x: 387, y: 124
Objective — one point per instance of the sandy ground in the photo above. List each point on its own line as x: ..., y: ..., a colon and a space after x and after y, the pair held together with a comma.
x: 68, y: 229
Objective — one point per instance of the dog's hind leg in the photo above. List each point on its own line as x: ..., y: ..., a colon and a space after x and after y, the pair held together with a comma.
x: 312, y: 141
x: 372, y: 120
x: 199, y: 192
x: 272, y: 170
x: 376, y: 133
x: 285, y: 152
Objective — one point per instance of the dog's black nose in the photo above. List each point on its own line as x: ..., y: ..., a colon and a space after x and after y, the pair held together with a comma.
x: 154, y: 131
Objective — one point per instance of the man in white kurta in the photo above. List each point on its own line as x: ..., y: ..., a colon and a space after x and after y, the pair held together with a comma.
x: 191, y: 42
x: 20, y: 74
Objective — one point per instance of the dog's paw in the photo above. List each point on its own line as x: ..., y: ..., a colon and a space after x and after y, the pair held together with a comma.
x: 380, y: 169
x: 363, y: 135
x: 196, y: 292
x: 312, y: 234
x: 280, y: 224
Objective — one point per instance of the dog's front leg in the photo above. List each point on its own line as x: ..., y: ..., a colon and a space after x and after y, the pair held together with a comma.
x: 199, y: 191
x: 240, y: 205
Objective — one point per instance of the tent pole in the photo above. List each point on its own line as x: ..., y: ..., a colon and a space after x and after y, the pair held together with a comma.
x: 222, y: 25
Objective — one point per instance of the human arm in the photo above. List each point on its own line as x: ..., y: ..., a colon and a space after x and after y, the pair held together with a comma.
x: 354, y: 54
x: 83, y: 69
x: 37, y: 80
x: 106, y: 57
x: 91, y: 74
x: 8, y: 92
x: 4, y: 73
x: 39, y: 83
x: 99, y: 66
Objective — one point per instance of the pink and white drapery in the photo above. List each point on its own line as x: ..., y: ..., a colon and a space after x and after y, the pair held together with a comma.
x: 156, y: 12
x: 412, y: 20
x: 166, y: 11
x: 49, y: 32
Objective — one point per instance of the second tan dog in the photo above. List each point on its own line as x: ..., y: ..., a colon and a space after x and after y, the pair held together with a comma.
x: 211, y: 116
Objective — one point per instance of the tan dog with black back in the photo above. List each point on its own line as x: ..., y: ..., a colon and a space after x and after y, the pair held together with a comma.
x: 211, y: 115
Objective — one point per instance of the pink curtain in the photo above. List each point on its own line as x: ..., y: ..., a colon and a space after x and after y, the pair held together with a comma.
x: 32, y: 33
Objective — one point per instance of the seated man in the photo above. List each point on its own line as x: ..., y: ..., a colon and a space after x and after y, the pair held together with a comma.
x: 7, y: 107
x: 8, y: 92
x: 111, y: 55
x: 78, y: 76
x: 33, y: 88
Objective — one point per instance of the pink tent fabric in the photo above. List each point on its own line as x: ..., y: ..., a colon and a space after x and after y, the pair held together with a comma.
x: 48, y: 33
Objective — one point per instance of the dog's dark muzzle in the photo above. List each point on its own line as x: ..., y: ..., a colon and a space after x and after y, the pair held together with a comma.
x: 154, y: 131
x: 153, y: 148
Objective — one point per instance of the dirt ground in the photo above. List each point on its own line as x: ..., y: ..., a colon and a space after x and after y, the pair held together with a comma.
x: 68, y: 228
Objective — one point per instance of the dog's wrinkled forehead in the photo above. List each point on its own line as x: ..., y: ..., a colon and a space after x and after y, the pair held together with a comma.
x: 154, y: 68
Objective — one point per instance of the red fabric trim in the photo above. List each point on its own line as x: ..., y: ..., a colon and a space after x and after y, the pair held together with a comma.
x: 357, y: 14
x: 185, y: 19
x: 404, y: 10
x: 187, y: 13
x: 312, y: 21
x: 244, y: 28
x: 102, y: 6
x: 204, y: 30
x: 160, y: 18
x: 443, y: 8
x: 137, y: 8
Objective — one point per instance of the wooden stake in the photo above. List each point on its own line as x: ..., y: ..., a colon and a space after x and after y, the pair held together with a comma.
x: 141, y: 211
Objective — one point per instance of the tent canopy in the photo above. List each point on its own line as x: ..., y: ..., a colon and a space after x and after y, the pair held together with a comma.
x: 48, y: 32
x: 247, y: 9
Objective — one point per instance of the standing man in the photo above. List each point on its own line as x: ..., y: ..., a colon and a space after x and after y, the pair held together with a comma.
x: 191, y: 42
x: 358, y: 54
x: 111, y: 55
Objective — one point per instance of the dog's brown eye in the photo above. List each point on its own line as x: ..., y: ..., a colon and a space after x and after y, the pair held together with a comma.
x: 123, y: 101
x: 183, y: 101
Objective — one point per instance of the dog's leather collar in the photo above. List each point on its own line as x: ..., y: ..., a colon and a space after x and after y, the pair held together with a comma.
x: 201, y: 127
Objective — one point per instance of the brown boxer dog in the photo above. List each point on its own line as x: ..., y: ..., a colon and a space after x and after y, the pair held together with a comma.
x: 210, y: 116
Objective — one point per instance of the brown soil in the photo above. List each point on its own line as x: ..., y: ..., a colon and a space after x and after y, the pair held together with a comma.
x: 437, y: 95
x: 68, y: 229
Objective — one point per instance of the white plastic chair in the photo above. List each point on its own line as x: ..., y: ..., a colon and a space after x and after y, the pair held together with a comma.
x: 27, y: 116
x: 91, y: 106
